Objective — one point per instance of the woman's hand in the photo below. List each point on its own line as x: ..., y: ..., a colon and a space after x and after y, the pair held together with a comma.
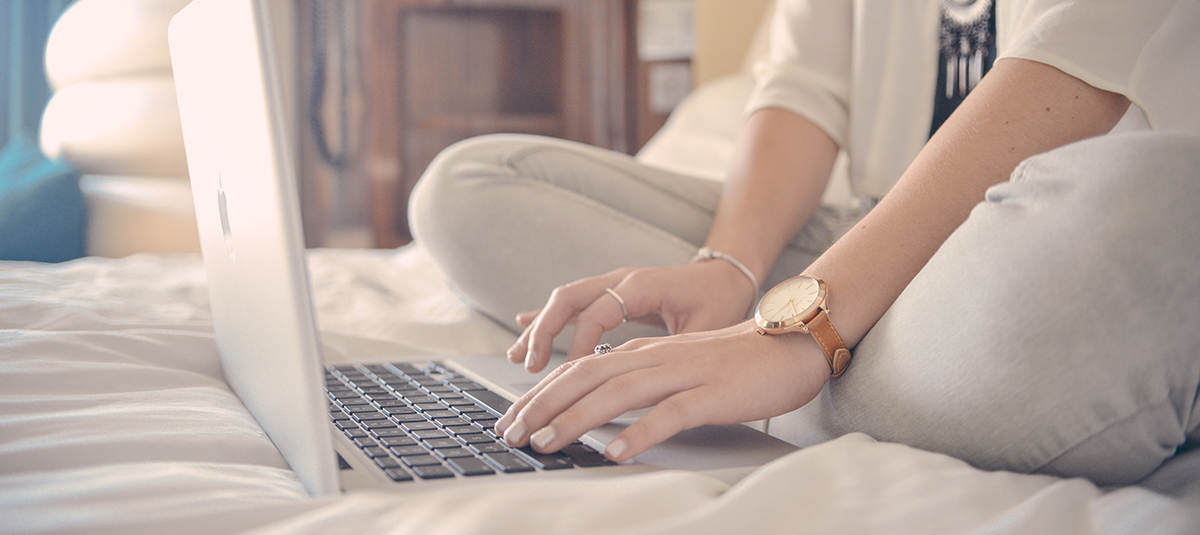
x: 690, y: 298
x: 719, y: 377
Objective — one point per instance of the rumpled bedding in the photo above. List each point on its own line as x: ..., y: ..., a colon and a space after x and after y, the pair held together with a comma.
x: 115, y: 418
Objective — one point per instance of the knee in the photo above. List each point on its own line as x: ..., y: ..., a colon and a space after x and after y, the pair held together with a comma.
x: 1054, y: 331
x: 1138, y: 187
x: 444, y: 199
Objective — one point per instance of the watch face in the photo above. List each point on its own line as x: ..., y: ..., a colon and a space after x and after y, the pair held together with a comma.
x: 789, y: 303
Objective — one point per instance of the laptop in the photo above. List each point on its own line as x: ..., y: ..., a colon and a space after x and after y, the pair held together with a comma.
x: 406, y: 424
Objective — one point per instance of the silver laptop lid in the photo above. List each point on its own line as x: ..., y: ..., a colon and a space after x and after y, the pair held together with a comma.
x: 242, y: 169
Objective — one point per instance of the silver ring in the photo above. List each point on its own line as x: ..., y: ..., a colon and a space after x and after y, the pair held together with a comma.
x: 624, y: 311
x: 603, y: 348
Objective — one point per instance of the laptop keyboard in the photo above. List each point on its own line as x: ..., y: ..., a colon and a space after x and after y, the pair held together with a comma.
x: 427, y: 423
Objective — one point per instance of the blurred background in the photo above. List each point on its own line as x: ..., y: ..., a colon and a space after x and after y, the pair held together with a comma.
x: 93, y: 160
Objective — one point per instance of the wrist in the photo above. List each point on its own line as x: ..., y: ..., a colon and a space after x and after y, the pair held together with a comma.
x: 807, y: 357
x: 801, y: 305
x: 705, y: 254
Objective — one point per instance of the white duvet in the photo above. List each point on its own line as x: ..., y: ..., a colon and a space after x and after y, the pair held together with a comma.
x: 114, y: 417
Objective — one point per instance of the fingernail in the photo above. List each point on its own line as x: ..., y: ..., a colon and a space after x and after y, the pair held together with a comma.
x: 542, y: 437
x: 515, y: 434
x: 502, y: 423
x: 529, y: 358
x: 615, y: 449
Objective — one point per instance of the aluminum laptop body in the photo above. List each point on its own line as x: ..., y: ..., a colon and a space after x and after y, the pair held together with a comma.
x: 242, y: 169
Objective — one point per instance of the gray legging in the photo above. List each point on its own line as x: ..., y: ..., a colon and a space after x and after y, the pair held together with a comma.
x: 1057, y: 330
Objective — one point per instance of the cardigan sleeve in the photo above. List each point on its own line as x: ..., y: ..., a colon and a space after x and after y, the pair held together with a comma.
x: 809, y: 65
x: 1147, y: 50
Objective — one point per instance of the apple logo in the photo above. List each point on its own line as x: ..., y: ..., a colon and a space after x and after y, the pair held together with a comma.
x: 222, y: 207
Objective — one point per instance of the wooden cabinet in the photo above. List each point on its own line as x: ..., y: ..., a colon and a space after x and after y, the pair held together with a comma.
x: 428, y: 73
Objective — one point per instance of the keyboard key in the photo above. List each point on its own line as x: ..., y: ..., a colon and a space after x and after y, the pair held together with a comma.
x: 491, y: 400
x: 508, y: 462
x: 389, y: 404
x: 546, y: 461
x: 406, y: 414
x: 395, y: 442
x: 422, y: 425
x: 401, y: 451
x: 475, y: 438
x: 490, y: 447
x: 450, y: 453
x: 440, y: 414
x: 389, y: 432
x: 425, y: 380
x: 438, y: 443
x: 402, y: 418
x: 375, y: 452
x: 470, y: 466
x: 429, y: 434
x: 463, y: 384
x: 478, y: 413
x: 420, y: 460
x: 398, y: 474
x: 378, y: 424
x: 453, y: 422
x: 387, y: 462
x: 467, y: 429
x: 430, y: 406
x: 585, y: 456
x: 432, y: 472
x: 404, y: 367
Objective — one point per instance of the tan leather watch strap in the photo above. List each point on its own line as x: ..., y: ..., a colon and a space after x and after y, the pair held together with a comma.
x: 831, y: 343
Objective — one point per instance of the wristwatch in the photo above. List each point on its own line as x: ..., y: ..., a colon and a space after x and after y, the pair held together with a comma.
x: 801, y: 304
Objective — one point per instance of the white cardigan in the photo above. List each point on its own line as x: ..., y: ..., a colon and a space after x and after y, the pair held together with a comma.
x: 865, y: 70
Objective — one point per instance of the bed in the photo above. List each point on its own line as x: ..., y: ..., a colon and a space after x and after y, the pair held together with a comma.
x: 115, y: 418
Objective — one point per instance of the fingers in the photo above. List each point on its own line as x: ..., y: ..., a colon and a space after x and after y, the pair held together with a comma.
x: 585, y: 381
x: 718, y: 377
x: 516, y: 354
x: 526, y: 318
x: 670, y: 416
x: 582, y: 303
x: 584, y: 394
x: 589, y: 304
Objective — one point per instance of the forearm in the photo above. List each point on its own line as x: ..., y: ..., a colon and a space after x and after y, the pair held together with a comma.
x: 1022, y: 108
x: 781, y: 168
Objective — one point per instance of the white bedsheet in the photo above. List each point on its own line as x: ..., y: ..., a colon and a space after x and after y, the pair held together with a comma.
x: 114, y: 417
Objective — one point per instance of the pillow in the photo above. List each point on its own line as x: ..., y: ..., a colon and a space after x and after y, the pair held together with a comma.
x: 42, y: 212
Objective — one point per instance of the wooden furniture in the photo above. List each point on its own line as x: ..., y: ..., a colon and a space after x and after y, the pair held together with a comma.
x: 433, y: 72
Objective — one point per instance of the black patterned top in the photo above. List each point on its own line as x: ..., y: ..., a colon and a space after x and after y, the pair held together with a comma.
x: 967, y: 51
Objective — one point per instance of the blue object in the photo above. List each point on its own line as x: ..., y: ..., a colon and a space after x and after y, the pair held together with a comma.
x: 42, y: 211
